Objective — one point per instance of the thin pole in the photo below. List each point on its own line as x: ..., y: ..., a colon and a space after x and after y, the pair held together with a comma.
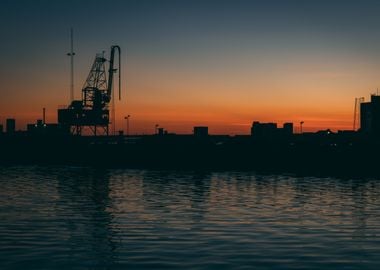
x: 128, y: 126
x: 44, y: 116
x: 71, y: 54
x: 127, y: 118
x: 156, y: 129
x: 355, y: 108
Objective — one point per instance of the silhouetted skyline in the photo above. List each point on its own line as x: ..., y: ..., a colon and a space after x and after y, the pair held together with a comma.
x: 220, y: 64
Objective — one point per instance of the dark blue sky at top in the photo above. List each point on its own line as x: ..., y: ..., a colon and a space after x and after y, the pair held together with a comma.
x: 27, y: 24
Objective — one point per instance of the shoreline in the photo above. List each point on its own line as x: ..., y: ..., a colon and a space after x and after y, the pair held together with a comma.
x: 293, y: 155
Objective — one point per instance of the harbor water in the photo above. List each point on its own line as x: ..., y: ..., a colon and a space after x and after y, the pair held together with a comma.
x: 91, y: 218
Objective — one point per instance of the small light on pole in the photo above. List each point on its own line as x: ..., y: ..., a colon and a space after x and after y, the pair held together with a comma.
x: 127, y: 118
x: 301, y: 123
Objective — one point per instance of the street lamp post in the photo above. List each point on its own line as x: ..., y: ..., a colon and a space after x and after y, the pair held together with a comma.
x: 127, y: 118
x: 301, y: 123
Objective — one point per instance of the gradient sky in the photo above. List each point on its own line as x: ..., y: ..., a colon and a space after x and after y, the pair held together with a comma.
x: 216, y: 63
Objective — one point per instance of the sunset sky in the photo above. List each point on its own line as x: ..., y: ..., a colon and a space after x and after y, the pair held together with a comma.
x: 218, y: 63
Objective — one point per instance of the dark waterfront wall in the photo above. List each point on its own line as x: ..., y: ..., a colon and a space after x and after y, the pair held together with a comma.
x: 317, y: 153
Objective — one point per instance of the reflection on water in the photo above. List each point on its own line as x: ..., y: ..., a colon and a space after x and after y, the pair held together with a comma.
x: 83, y: 218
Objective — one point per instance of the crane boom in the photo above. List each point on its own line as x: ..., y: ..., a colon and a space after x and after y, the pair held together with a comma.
x: 111, y: 71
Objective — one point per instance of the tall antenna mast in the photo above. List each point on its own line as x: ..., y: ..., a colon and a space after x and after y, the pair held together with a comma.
x: 71, y: 54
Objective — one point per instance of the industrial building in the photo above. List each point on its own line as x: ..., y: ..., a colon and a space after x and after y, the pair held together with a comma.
x: 270, y: 130
x: 260, y: 130
x: 287, y: 129
x: 11, y: 125
x: 42, y: 128
x: 200, y: 131
x: 370, y: 116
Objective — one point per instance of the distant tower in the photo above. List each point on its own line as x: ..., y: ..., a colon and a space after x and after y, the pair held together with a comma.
x: 71, y: 54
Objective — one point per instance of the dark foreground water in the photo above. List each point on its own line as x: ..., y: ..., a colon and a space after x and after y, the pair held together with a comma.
x: 82, y: 218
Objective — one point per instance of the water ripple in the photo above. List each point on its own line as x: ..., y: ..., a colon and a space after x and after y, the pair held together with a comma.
x: 85, y: 218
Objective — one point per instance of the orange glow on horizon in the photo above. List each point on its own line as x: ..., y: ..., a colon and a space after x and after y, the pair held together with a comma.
x: 182, y: 120
x: 224, y: 116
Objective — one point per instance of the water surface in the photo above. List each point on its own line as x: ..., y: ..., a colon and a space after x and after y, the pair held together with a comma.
x: 85, y: 218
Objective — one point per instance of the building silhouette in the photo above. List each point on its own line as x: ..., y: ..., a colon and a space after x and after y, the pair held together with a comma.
x: 11, y: 125
x: 287, y: 129
x: 270, y: 130
x: 200, y: 131
x: 161, y: 131
x: 370, y: 116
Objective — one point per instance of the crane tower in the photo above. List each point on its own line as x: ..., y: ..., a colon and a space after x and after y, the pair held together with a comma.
x: 93, y: 110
